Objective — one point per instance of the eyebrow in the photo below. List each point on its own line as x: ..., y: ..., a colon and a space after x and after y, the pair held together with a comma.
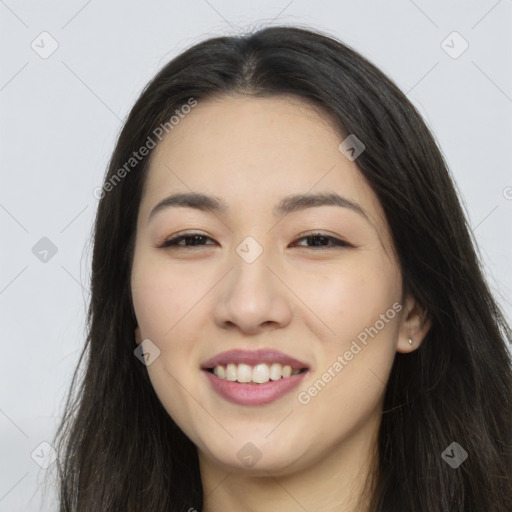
x: 287, y: 205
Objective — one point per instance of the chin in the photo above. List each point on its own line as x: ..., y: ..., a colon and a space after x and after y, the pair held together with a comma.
x: 257, y: 457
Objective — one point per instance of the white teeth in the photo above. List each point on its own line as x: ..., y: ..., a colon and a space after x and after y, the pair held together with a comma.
x: 231, y: 373
x: 260, y: 374
x: 244, y: 373
x: 275, y: 371
x: 220, y: 372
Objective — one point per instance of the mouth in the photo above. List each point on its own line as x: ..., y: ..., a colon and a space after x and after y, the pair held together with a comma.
x: 254, y: 366
x: 253, y: 377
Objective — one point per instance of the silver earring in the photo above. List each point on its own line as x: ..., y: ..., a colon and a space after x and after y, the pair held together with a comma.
x: 410, y: 341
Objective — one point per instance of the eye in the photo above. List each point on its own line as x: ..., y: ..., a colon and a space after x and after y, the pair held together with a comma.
x: 322, y: 241
x: 313, y: 240
x: 190, y: 239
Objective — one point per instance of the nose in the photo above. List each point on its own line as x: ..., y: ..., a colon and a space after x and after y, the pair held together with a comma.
x: 252, y: 299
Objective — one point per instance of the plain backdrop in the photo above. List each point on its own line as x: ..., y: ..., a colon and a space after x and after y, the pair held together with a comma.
x: 71, y: 71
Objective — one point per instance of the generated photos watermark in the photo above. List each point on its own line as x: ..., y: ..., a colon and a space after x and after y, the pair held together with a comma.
x: 137, y: 156
x: 342, y: 360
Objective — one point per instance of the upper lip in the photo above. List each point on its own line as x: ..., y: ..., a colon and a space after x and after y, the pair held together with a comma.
x: 253, y: 357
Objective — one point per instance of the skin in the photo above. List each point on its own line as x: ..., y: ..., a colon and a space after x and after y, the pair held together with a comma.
x: 309, y: 302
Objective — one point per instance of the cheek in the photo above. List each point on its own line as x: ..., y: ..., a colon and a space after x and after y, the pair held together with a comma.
x: 351, y: 298
x: 349, y: 381
x: 360, y: 306
x: 167, y: 312
x: 162, y: 298
x: 170, y: 312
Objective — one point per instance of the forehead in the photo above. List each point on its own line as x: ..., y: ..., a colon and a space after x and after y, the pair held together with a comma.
x: 253, y: 151
x: 245, y: 128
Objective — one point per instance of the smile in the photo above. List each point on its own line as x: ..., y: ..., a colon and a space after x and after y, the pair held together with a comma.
x: 253, y: 393
x: 253, y: 377
x: 258, y: 374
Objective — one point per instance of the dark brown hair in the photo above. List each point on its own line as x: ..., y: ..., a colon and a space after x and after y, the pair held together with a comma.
x: 119, y: 449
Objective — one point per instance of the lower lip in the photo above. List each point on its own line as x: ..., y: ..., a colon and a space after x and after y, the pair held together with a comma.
x: 253, y: 394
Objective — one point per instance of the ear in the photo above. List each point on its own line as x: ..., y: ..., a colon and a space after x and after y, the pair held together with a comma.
x: 414, y: 325
x: 138, y: 338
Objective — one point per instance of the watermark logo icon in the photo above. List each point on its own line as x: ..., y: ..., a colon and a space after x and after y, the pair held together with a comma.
x: 44, y: 45
x: 249, y: 249
x: 44, y: 250
x: 454, y: 45
x: 44, y: 455
x: 351, y: 147
x: 454, y: 455
x: 249, y: 454
x: 146, y: 352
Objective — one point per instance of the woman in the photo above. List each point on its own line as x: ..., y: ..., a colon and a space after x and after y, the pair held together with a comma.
x: 287, y: 309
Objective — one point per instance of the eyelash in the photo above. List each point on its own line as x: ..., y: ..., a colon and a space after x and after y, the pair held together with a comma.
x: 337, y: 243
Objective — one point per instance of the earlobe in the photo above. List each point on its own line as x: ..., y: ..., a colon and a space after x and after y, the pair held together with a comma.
x: 138, y: 338
x: 415, y: 324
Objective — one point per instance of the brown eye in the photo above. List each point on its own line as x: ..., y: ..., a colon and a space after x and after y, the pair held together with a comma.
x: 313, y: 240
x: 322, y: 241
x: 190, y: 240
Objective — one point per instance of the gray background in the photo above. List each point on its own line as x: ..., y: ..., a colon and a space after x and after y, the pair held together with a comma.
x: 60, y: 116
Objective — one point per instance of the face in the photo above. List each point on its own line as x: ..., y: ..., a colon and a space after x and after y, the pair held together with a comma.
x: 308, y: 284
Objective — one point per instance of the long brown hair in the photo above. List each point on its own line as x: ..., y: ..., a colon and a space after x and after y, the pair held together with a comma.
x: 119, y: 449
